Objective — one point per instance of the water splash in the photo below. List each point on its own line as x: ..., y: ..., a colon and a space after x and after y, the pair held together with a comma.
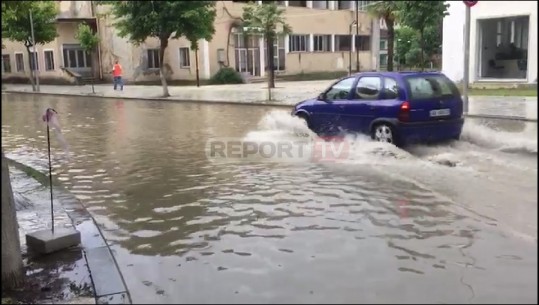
x: 497, y: 139
x: 280, y: 125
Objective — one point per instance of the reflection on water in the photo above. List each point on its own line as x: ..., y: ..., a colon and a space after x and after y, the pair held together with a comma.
x: 384, y: 227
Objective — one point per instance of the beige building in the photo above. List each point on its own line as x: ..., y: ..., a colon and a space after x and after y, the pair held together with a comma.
x: 320, y: 42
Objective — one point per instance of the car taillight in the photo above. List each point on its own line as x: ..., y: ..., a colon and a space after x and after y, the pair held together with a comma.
x: 404, y: 113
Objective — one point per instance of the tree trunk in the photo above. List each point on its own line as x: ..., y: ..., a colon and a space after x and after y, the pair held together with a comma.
x: 390, y: 44
x: 271, y: 66
x: 422, y: 55
x: 93, y: 74
x: 32, y: 80
x: 12, y: 268
x: 164, y: 44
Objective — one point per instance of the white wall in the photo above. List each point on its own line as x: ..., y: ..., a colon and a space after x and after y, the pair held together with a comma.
x: 453, y: 39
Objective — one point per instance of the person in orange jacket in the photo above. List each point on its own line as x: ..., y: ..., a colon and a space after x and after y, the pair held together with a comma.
x: 117, y: 74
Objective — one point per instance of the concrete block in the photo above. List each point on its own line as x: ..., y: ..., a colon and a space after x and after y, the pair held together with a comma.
x: 44, y: 241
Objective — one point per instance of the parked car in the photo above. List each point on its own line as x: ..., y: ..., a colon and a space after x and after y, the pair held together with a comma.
x: 395, y: 107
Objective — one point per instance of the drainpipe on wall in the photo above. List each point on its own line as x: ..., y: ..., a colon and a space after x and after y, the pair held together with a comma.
x: 99, y: 63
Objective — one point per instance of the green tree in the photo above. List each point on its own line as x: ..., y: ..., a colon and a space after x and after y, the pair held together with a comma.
x: 433, y: 41
x: 12, y: 267
x: 164, y: 20
x: 267, y: 20
x: 88, y: 41
x: 199, y: 31
x: 406, y: 37
x: 388, y: 11
x: 419, y: 15
x: 16, y: 25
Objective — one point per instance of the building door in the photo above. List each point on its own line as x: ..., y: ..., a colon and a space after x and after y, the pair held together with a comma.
x: 76, y: 59
x: 247, y: 54
x: 279, y: 55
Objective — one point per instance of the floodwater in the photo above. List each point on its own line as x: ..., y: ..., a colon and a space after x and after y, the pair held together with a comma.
x: 450, y: 223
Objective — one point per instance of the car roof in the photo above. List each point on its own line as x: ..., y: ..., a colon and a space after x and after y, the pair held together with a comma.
x: 398, y: 74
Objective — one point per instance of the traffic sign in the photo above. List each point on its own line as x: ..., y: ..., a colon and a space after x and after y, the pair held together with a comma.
x: 470, y: 3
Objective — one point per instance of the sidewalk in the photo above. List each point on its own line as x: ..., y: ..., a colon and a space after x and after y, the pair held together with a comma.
x: 285, y: 94
x: 86, y: 274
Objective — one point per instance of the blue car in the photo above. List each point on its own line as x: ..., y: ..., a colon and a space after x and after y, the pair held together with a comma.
x: 395, y: 107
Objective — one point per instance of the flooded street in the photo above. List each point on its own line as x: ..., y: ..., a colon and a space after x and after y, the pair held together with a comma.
x: 450, y: 223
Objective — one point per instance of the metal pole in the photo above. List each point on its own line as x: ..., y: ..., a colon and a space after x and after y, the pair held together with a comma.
x: 36, y: 69
x: 196, y: 65
x: 466, y: 76
x: 350, y: 52
x: 357, y: 35
x: 50, y: 169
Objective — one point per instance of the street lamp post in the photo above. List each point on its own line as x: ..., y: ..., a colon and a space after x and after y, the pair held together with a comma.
x: 351, y: 46
x: 357, y: 35
x: 34, y: 54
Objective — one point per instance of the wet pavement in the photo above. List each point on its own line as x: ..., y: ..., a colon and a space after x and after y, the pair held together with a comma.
x: 285, y: 94
x: 61, y: 274
x: 385, y: 225
x: 58, y: 278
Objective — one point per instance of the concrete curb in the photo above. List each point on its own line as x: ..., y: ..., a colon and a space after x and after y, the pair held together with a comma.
x: 245, y: 103
x: 157, y: 99
x: 107, y: 280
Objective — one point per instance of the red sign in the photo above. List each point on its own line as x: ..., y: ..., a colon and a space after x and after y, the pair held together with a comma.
x: 470, y: 3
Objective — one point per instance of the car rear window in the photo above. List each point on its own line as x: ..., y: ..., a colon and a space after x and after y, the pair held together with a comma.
x: 430, y: 86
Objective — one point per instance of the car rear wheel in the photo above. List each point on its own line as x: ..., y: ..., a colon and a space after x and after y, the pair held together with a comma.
x: 383, y: 133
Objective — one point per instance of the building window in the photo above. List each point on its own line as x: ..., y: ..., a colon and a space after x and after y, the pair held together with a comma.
x: 76, y: 58
x: 297, y: 3
x: 499, y: 33
x: 33, y: 63
x: 49, y: 60
x: 153, y: 59
x: 321, y: 4
x: 383, y: 45
x: 345, y: 5
x: 185, y: 61
x: 279, y: 54
x: 363, y: 5
x: 6, y: 63
x: 383, y: 59
x: 343, y: 43
x: 19, y: 62
x: 299, y: 43
x: 322, y: 43
x: 363, y: 43
x: 244, y: 40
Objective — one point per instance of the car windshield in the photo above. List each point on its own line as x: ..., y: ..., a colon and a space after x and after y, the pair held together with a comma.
x: 430, y: 86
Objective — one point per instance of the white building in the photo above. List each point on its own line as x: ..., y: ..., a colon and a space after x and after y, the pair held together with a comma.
x: 503, y: 41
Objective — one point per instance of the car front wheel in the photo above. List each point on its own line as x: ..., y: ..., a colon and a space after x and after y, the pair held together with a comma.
x: 383, y: 133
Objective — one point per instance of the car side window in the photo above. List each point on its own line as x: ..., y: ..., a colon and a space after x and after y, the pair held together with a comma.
x: 369, y: 87
x: 391, y: 89
x: 340, y: 90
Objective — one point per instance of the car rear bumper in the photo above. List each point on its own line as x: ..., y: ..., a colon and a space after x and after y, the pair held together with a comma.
x: 429, y: 131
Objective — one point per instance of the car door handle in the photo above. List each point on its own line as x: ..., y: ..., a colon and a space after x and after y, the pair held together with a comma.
x: 372, y: 107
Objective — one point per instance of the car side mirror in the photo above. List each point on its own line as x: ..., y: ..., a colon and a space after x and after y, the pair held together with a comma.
x: 322, y: 97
